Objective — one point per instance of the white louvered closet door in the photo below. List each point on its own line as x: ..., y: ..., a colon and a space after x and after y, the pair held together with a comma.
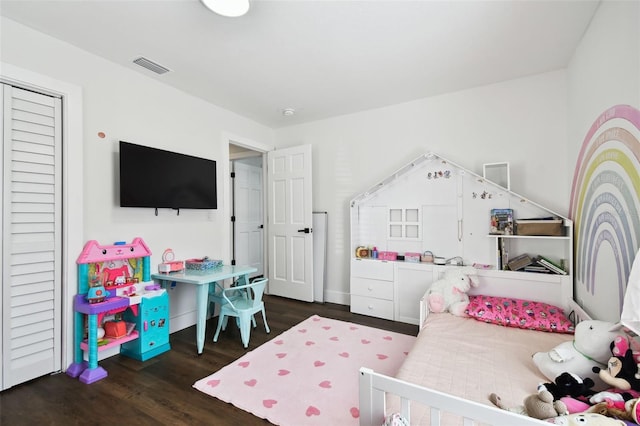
x: 30, y: 305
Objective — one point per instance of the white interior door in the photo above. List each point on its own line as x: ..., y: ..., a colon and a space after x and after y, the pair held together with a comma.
x: 290, y: 216
x: 30, y: 296
x: 249, y: 218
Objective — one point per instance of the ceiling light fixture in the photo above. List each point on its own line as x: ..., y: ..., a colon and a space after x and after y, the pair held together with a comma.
x: 288, y: 112
x: 229, y: 8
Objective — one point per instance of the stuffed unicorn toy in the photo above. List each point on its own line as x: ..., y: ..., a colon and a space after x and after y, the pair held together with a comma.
x: 449, y: 294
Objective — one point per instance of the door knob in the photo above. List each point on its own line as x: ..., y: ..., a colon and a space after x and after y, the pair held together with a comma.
x: 306, y: 230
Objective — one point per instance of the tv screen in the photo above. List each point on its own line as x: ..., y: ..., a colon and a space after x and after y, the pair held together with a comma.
x: 151, y: 177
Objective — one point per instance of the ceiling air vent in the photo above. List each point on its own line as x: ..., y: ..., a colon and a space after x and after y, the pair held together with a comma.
x: 150, y: 65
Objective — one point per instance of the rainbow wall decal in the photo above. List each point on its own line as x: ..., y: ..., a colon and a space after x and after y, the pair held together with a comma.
x: 605, y: 207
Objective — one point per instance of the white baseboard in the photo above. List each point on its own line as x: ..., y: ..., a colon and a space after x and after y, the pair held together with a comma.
x: 339, y: 297
x: 182, y: 321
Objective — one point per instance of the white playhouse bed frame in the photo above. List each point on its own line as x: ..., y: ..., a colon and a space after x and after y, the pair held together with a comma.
x: 374, y: 387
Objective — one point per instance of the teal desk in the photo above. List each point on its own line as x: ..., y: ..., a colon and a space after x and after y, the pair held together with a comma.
x: 202, y: 279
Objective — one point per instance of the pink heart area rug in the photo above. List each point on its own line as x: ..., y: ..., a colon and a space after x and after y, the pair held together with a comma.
x: 308, y: 375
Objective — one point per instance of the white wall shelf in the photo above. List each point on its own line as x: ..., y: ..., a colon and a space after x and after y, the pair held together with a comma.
x: 531, y: 237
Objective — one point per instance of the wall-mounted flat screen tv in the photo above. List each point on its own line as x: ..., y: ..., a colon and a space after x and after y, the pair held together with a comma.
x: 151, y: 177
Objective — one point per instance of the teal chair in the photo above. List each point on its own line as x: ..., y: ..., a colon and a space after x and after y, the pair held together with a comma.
x: 243, y: 309
x: 215, y: 296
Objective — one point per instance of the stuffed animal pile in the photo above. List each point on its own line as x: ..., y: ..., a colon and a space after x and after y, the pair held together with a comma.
x: 591, y: 389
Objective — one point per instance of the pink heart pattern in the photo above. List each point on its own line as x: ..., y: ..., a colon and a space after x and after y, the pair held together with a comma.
x: 355, y: 412
x: 268, y: 403
x: 266, y: 385
x: 312, y: 411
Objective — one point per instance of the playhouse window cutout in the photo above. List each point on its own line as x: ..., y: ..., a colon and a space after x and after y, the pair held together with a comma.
x: 404, y: 223
x: 497, y: 173
x: 411, y: 231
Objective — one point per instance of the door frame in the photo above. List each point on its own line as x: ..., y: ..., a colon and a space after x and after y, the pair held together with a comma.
x: 72, y: 188
x: 262, y: 148
x: 234, y: 159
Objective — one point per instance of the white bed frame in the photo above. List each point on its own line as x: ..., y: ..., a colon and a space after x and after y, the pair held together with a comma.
x: 374, y: 387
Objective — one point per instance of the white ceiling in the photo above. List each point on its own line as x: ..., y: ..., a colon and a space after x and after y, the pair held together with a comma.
x: 322, y: 58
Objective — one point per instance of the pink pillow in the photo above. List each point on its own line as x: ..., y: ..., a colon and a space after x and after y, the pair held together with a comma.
x: 519, y: 313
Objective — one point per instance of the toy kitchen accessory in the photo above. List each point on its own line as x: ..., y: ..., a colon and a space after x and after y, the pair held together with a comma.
x: 169, y: 264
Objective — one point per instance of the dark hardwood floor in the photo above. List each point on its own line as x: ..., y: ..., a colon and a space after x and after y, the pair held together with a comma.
x: 159, y: 391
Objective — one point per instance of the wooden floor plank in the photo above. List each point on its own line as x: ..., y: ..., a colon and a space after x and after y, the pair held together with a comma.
x: 159, y: 390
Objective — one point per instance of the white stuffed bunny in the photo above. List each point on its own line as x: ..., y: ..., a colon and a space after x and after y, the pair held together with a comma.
x: 589, y: 348
x: 449, y: 294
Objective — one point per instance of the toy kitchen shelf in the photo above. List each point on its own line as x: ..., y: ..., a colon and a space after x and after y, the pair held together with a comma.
x: 115, y: 279
x: 112, y: 342
x: 114, y: 304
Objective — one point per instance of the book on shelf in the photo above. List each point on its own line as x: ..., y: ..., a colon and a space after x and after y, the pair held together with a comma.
x: 519, y: 262
x: 504, y: 255
x: 538, y: 269
x: 553, y: 267
x: 501, y: 222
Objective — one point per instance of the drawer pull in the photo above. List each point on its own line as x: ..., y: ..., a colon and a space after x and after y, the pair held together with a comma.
x: 370, y: 288
x: 370, y: 307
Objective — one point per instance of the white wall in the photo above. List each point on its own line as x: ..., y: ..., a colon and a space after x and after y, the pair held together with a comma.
x: 604, y: 72
x: 521, y: 121
x: 131, y: 106
x: 605, y: 68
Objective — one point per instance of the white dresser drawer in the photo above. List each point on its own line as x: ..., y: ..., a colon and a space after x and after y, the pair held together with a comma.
x: 377, y: 269
x: 372, y: 288
x: 372, y: 307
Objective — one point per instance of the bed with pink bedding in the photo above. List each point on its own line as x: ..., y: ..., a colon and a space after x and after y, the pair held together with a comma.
x: 472, y: 359
x: 455, y: 364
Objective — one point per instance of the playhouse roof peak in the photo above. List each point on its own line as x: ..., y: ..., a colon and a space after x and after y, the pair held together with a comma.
x: 415, y: 164
x: 428, y: 159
